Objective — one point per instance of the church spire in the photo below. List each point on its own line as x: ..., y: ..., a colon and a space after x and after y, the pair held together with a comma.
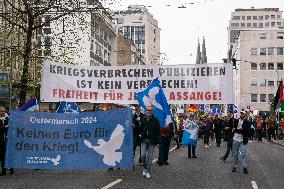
x: 198, y: 54
x: 203, y: 55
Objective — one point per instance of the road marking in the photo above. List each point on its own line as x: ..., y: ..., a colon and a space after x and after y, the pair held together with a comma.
x: 156, y: 159
x: 254, y: 185
x: 112, y: 184
x: 119, y: 180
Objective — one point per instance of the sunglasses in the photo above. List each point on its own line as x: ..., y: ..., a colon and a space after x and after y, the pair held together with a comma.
x: 149, y: 110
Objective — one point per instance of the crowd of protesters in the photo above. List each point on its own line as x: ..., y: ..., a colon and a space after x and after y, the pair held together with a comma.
x: 234, y: 132
x: 148, y: 135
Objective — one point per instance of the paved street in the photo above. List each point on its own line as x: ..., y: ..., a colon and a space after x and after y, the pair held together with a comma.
x: 266, y: 170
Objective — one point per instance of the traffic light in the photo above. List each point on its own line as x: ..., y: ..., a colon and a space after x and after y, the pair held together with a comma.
x: 234, y: 61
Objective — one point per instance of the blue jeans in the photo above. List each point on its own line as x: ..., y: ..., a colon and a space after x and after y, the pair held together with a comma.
x: 147, y: 153
x: 243, y: 148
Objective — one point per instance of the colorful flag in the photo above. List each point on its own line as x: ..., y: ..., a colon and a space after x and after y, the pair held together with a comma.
x: 233, y: 108
x: 216, y: 110
x: 68, y: 107
x: 281, y: 96
x: 202, y: 108
x: 30, y: 105
x: 154, y: 96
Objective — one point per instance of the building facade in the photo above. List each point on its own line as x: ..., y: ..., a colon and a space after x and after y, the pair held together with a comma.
x: 127, y: 52
x: 139, y: 25
x: 83, y: 38
x: 256, y: 41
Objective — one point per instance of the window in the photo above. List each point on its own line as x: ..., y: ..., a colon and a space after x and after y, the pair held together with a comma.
x: 248, y: 17
x: 120, y: 20
x: 280, y: 37
x: 47, y: 31
x: 253, y: 66
x: 262, y: 82
x: 270, y: 50
x: 266, y: 17
x: 278, y: 23
x: 47, y: 20
x: 262, y: 97
x: 243, y: 17
x: 253, y: 97
x: 272, y: 16
x: 270, y: 96
x: 235, y: 24
x: 243, y: 25
x: 255, y: 25
x: 279, y: 50
x: 262, y: 35
x: 253, y: 51
x: 270, y: 83
x: 260, y: 25
x: 236, y: 17
x: 280, y: 66
x: 272, y: 24
x: 253, y: 82
x: 254, y: 17
x: 262, y: 51
x: 270, y: 66
x: 248, y: 25
x: 260, y: 17
x: 262, y: 66
x: 267, y: 24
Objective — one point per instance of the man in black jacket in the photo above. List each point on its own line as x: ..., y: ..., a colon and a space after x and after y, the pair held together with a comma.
x: 240, y: 139
x: 3, y: 139
x: 228, y: 125
x: 150, y: 137
x: 218, y: 129
x: 137, y: 117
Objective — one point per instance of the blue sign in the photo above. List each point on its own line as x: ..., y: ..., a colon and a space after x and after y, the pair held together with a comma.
x: 89, y: 140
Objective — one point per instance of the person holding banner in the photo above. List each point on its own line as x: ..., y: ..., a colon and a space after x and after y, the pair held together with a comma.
x: 190, y: 135
x: 3, y: 139
x: 150, y: 137
x: 137, y: 117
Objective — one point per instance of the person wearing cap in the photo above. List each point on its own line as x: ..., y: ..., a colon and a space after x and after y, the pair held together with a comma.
x: 228, y: 126
x: 240, y: 139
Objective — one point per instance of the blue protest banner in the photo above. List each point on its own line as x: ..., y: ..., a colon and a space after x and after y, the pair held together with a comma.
x: 89, y: 140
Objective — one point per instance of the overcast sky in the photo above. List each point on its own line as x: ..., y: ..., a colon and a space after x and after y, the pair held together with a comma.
x: 181, y: 27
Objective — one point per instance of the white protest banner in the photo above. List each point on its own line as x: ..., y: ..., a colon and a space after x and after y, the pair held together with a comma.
x: 182, y: 84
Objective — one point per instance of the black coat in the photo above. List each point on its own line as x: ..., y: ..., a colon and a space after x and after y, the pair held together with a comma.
x: 245, y: 131
x: 150, y: 129
x: 137, y: 118
x: 228, y: 134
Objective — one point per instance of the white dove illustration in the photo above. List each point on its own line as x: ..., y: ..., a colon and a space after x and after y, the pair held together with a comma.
x: 56, y: 160
x: 108, y: 149
x: 148, y: 101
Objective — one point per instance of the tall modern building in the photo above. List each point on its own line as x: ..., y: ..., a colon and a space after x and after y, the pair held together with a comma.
x: 201, y: 56
x: 256, y: 41
x: 139, y: 25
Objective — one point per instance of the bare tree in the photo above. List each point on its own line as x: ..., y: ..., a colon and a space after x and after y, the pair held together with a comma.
x: 25, y: 17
